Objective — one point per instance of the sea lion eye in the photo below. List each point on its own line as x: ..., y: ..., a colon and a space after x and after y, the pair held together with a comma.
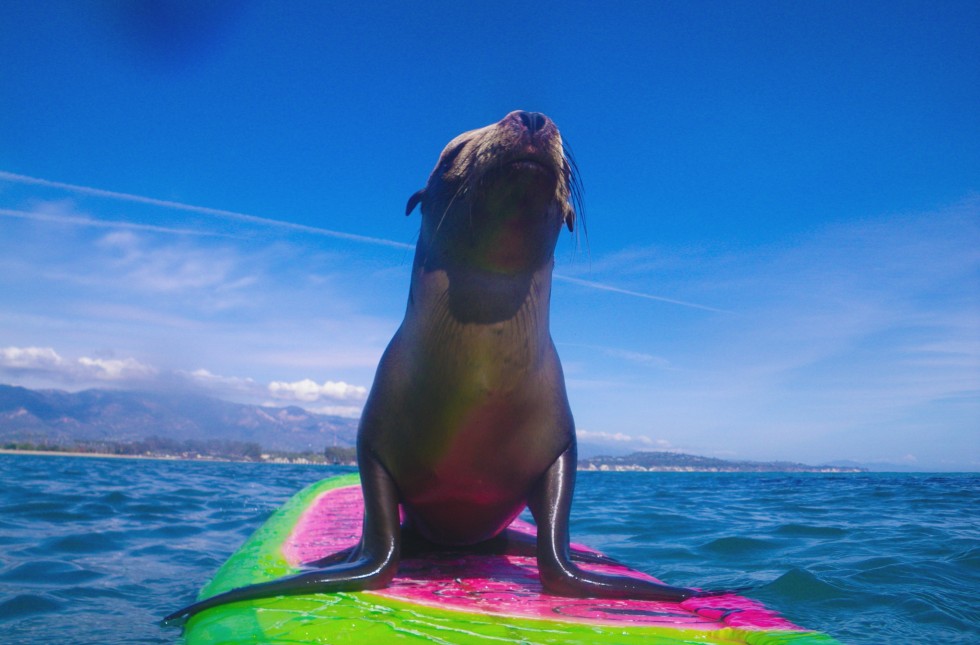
x: 445, y: 163
x: 449, y: 157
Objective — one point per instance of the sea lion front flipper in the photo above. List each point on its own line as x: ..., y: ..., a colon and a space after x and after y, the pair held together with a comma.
x: 372, y: 567
x: 550, y: 502
x: 344, y: 555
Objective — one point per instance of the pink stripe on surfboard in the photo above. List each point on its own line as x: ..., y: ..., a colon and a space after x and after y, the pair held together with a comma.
x: 508, y: 585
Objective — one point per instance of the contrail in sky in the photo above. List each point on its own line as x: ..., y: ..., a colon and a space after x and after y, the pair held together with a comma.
x: 636, y: 294
x: 103, y: 223
x: 217, y: 212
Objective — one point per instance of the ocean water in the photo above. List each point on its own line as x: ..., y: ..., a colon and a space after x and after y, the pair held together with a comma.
x: 98, y: 550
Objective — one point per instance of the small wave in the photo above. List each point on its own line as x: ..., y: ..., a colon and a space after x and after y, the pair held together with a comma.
x: 89, y: 542
x: 737, y: 544
x: 969, y: 558
x: 48, y: 572
x: 27, y: 604
x: 809, y: 530
x: 801, y: 585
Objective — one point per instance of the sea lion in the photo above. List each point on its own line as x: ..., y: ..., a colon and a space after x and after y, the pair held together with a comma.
x: 468, y: 421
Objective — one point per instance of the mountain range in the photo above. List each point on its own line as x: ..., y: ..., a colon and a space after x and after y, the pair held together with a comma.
x: 681, y: 462
x: 96, y: 419
x: 59, y: 418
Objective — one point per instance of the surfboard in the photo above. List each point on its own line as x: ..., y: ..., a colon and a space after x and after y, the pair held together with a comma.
x: 459, y: 599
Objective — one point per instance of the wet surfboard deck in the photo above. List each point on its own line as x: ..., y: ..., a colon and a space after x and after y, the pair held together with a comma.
x: 462, y: 599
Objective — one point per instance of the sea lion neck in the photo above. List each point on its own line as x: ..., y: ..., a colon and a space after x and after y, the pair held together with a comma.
x: 474, y: 334
x: 469, y: 296
x: 474, y: 295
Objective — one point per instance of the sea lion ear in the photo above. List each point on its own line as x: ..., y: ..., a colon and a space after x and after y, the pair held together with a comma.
x: 413, y: 201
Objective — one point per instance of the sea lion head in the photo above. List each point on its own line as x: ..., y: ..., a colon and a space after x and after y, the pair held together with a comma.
x: 498, y: 197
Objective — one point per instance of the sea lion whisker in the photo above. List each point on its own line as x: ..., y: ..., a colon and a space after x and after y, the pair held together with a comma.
x: 576, y: 196
x: 445, y: 324
x: 472, y: 224
x: 445, y: 213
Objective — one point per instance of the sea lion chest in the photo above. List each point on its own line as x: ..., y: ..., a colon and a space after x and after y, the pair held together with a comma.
x: 480, y: 419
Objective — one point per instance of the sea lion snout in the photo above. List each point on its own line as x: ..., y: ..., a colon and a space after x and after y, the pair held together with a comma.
x: 533, y: 121
x: 535, y: 137
x: 537, y: 127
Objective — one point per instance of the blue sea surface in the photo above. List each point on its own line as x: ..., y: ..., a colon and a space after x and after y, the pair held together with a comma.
x: 97, y: 550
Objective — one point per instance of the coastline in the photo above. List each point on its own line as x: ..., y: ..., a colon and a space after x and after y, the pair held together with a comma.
x: 68, y: 453
x: 307, y: 462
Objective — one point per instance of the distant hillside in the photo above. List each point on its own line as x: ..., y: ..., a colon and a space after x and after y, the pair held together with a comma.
x: 55, y: 417
x: 680, y: 462
x: 178, y: 423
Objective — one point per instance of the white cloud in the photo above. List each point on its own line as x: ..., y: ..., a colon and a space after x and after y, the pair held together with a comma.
x: 348, y: 411
x: 619, y: 437
x: 639, y: 357
x: 26, y: 364
x: 309, y: 391
x: 45, y: 360
x: 31, y: 358
x: 171, y: 268
x: 115, y: 369
x: 235, y: 388
x: 205, y: 376
x: 126, y: 259
x: 304, y: 392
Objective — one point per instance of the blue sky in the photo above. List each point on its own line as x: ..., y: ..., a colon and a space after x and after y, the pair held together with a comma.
x: 782, y: 199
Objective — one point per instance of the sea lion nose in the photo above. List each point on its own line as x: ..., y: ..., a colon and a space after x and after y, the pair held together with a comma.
x: 533, y: 121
